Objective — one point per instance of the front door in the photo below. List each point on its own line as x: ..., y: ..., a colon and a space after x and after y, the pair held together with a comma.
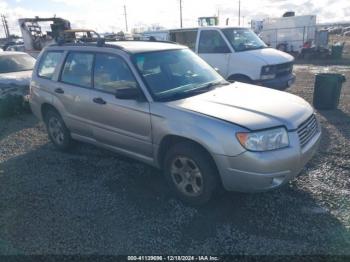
x: 214, y: 50
x: 122, y: 124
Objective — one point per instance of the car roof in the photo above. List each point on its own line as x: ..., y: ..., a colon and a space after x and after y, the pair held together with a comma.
x: 132, y: 46
x: 146, y: 46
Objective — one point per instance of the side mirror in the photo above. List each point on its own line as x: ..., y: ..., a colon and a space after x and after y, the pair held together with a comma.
x: 128, y: 93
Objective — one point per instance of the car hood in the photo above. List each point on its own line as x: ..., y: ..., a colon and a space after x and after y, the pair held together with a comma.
x: 16, y: 78
x: 250, y: 106
x: 270, y: 56
x: 16, y: 83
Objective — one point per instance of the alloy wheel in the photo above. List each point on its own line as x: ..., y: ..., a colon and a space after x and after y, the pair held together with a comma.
x: 186, y: 176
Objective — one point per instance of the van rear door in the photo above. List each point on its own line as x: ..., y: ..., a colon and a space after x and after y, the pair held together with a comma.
x: 212, y: 47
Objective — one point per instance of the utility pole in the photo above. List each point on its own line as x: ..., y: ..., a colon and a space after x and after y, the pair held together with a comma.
x: 6, y: 27
x: 239, y: 12
x: 180, y: 13
x: 126, y: 19
x: 3, y: 24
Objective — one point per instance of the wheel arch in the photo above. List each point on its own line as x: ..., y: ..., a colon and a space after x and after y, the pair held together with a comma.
x: 170, y: 140
x: 45, y: 107
x: 234, y: 77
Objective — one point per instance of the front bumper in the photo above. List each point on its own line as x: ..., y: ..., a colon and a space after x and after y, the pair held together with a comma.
x: 280, y: 83
x: 261, y: 171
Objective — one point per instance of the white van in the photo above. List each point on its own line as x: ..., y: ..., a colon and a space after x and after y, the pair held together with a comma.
x: 238, y: 54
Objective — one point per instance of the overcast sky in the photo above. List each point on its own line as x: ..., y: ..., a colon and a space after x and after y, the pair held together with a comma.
x: 107, y: 15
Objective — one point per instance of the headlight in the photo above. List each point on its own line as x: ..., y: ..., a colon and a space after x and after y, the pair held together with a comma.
x: 268, y: 72
x: 264, y: 140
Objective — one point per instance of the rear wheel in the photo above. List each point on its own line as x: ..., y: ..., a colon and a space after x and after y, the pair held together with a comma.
x: 191, y: 173
x: 57, y: 131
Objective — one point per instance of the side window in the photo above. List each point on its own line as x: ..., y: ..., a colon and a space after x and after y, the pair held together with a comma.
x: 77, y: 69
x: 48, y: 63
x: 187, y: 38
x: 111, y: 73
x: 211, y: 42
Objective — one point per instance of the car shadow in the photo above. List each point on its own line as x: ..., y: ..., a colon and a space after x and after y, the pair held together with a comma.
x: 94, y: 201
x: 16, y: 123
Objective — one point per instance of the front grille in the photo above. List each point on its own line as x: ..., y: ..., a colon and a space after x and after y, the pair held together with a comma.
x: 307, y: 130
x: 284, y: 69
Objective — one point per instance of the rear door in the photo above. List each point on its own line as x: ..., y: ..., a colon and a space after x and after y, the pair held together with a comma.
x: 44, y: 80
x: 70, y: 92
x: 73, y: 91
x: 212, y: 47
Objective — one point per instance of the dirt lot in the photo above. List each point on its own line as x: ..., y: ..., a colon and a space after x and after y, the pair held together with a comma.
x: 92, y: 201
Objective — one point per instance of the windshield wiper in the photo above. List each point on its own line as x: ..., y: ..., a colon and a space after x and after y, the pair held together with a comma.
x: 207, y: 87
x: 195, y: 91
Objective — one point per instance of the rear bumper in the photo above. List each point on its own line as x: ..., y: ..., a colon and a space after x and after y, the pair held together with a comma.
x: 262, y: 171
x: 280, y: 83
x: 35, y: 107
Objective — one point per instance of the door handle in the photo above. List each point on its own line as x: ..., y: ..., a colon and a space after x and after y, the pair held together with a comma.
x: 59, y: 91
x: 99, y: 100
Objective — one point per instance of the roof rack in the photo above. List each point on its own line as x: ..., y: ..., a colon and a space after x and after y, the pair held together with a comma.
x: 90, y: 44
x: 101, y: 42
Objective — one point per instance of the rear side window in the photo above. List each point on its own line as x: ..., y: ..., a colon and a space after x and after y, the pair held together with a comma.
x: 48, y: 64
x: 187, y: 38
x: 211, y: 42
x: 112, y: 73
x: 77, y: 69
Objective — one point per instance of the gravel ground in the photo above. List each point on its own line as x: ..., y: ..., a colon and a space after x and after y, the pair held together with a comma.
x: 91, y: 201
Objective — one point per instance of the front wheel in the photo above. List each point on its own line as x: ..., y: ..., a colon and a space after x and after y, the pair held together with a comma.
x: 191, y: 173
x: 57, y: 131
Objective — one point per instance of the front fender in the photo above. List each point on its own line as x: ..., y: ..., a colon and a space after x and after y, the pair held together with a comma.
x: 215, y: 135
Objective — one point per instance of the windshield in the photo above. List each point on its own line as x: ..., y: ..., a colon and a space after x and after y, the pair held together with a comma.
x: 243, y: 39
x: 16, y: 63
x: 175, y: 74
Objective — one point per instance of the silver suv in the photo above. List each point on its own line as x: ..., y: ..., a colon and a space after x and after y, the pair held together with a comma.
x: 161, y: 104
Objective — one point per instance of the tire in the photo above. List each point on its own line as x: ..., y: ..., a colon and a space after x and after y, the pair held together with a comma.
x: 191, y: 173
x: 57, y: 131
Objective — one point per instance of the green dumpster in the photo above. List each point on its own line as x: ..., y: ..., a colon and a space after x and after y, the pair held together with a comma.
x: 337, y: 51
x: 327, y: 90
